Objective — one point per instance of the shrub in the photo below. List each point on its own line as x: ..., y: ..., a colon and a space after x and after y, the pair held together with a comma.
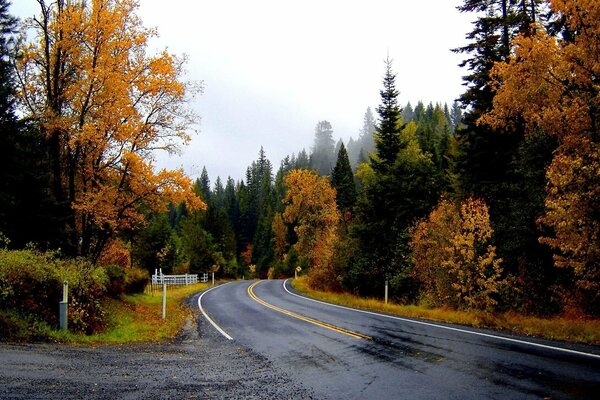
x: 136, y: 280
x: 453, y: 257
x: 31, y: 285
x: 116, y: 280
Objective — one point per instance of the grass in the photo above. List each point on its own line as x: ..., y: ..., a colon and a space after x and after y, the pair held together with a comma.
x: 556, y: 328
x: 138, y: 319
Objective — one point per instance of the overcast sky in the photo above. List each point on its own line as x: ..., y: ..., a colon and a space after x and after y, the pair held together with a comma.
x: 273, y: 69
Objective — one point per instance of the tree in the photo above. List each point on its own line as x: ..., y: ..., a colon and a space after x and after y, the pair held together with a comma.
x: 26, y: 211
x: 365, y: 143
x: 387, y: 131
x: 322, y: 157
x: 342, y: 179
x: 104, y: 106
x: 550, y: 85
x: 388, y: 205
x: 312, y: 211
x: 153, y: 243
x: 453, y: 258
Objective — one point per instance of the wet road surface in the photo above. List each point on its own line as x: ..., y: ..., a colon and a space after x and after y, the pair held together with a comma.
x: 402, y: 358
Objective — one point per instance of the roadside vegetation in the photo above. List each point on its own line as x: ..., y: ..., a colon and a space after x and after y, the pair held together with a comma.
x: 576, y: 330
x: 107, y: 304
x: 138, y: 318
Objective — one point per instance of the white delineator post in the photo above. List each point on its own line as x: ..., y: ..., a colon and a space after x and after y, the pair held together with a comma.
x: 164, y: 301
x: 386, y: 291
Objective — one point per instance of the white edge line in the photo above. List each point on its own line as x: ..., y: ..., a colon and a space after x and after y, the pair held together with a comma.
x: 544, y: 346
x: 209, y: 319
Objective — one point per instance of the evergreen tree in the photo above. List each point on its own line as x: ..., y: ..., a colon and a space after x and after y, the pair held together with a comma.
x: 342, y: 180
x: 202, y: 186
x: 323, y: 154
x: 401, y: 187
x: 407, y: 113
x: 387, y: 131
x: 500, y: 166
x: 27, y: 212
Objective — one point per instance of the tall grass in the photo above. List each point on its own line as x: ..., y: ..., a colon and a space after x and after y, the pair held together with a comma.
x: 556, y: 328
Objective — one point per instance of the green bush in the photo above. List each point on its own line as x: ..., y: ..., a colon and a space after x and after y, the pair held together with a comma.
x: 31, y: 285
x: 136, y: 280
x: 116, y: 280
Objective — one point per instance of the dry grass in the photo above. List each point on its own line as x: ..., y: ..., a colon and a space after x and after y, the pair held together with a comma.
x: 138, y: 318
x: 557, y: 328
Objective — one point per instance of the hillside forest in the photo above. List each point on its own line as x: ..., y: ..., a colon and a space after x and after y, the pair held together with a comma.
x: 491, y: 203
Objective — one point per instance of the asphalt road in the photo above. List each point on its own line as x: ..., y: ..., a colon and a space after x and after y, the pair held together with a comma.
x: 324, y: 348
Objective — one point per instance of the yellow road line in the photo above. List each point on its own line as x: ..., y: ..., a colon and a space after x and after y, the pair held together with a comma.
x: 304, y: 318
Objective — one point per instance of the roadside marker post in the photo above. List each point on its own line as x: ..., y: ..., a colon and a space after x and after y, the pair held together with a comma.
x: 63, y: 308
x: 164, y: 301
x: 213, y: 279
x: 386, y: 291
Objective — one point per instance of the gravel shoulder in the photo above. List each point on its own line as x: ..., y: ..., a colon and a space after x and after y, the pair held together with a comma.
x: 198, y: 364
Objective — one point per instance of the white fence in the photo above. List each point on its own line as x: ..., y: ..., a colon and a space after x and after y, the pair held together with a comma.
x: 159, y: 278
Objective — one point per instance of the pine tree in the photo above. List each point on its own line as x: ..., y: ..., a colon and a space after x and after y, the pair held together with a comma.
x: 342, y: 180
x: 387, y: 131
x: 498, y: 165
x: 27, y: 211
x: 323, y: 154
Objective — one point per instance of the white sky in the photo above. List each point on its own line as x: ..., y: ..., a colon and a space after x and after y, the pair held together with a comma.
x: 273, y: 68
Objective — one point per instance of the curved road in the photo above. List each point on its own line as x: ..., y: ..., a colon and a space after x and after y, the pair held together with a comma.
x: 348, y: 354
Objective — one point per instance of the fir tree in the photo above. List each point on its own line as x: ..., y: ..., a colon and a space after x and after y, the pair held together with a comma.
x: 323, y: 153
x: 342, y: 180
x: 387, y: 132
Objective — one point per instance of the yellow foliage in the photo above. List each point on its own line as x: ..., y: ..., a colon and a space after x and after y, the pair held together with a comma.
x: 105, y: 107
x: 552, y: 85
x: 452, y: 257
x: 312, y: 210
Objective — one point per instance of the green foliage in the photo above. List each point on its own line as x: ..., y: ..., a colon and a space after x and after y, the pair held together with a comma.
x: 387, y: 131
x: 154, y: 245
x: 31, y: 285
x: 342, y: 180
x: 135, y: 280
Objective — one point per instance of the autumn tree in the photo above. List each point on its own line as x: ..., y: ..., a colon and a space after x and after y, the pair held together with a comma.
x: 104, y: 106
x: 312, y: 211
x: 453, y: 257
x: 550, y: 85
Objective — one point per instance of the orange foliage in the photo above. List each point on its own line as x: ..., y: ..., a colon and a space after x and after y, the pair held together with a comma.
x: 552, y: 85
x: 312, y: 210
x: 115, y: 253
x: 280, y: 243
x: 452, y: 257
x: 105, y: 106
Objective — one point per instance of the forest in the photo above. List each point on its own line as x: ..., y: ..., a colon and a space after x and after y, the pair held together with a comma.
x: 491, y: 203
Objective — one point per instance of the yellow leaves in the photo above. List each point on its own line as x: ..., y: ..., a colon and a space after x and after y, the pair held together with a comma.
x: 552, y: 85
x: 92, y: 86
x: 452, y: 258
x: 312, y: 210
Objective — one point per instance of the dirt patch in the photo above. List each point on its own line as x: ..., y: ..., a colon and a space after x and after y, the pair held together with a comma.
x: 199, y: 364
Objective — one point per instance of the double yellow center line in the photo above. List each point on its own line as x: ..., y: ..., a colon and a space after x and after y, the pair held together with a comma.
x: 304, y: 318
